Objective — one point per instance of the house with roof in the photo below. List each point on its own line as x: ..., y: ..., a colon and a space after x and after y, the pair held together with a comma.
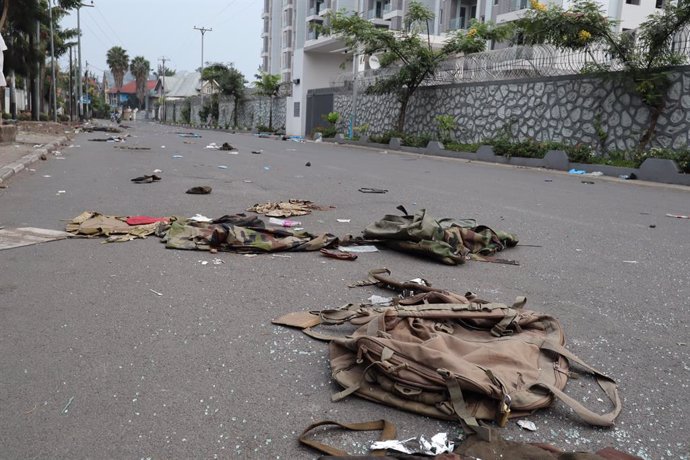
x: 126, y: 95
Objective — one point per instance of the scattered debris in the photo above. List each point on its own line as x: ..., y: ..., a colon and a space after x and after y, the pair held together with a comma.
x: 226, y: 146
x: 189, y: 135
x: 199, y: 190
x: 43, y: 157
x: 630, y: 262
x: 372, y: 190
x: 222, y: 167
x: 46, y: 175
x: 247, y: 181
x: 589, y: 182
x: 200, y: 218
x: 379, y: 300
x: 286, y: 208
x: 358, y: 249
x: 26, y: 236
x: 177, y: 156
x: 284, y: 222
x: 212, y: 146
x: 337, y: 254
x: 217, y: 261
x: 652, y: 226
x: 127, y: 147
x: 439, y: 444
x: 60, y: 192
x: 548, y: 180
x: 631, y: 176
x: 678, y: 216
x: 577, y: 171
x: 116, y: 228
x: 307, y: 164
x: 343, y: 221
x: 527, y: 425
x: 146, y: 179
x: 157, y: 171
x: 258, y: 152
x: 66, y: 408
x: 267, y: 168
x: 156, y: 292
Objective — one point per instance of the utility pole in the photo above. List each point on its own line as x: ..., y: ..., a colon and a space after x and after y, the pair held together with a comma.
x: 53, y: 84
x: 162, y: 91
x: 36, y: 93
x: 203, y: 31
x: 71, y: 88
x: 80, y: 110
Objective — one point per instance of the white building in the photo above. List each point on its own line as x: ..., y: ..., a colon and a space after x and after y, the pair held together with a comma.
x: 307, y: 61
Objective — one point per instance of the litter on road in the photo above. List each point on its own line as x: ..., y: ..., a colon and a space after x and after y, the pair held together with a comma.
x: 286, y: 208
x: 337, y: 254
x: 372, y: 190
x: 678, y: 216
x: 284, y: 222
x: 147, y: 179
x: 527, y: 425
x: 26, y: 236
x: 363, y: 249
x: 199, y: 190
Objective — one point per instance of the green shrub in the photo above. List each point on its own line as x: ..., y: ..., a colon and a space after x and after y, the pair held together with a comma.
x: 385, y: 138
x: 681, y: 157
x: 326, y: 131
x: 458, y: 147
x: 420, y: 140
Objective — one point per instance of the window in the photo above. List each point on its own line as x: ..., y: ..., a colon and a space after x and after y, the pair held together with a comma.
x: 633, y: 2
x: 659, y: 3
x: 295, y: 110
x: 495, y: 2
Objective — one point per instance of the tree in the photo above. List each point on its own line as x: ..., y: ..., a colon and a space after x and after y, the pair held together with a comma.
x: 268, y: 85
x: 230, y: 80
x: 118, y: 61
x: 24, y: 54
x: 140, y: 68
x: 409, y: 57
x: 644, y: 54
x: 164, y: 71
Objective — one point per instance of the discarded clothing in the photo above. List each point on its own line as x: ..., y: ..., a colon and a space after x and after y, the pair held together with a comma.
x: 243, y: 239
x: 446, y: 240
x: 145, y: 220
x: 195, y: 135
x: 336, y: 254
x: 286, y: 208
x: 26, y: 236
x: 226, y: 146
x: 146, y: 179
x: 200, y: 190
x: 95, y: 224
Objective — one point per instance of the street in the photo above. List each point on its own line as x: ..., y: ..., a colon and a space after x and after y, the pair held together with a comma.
x: 93, y: 364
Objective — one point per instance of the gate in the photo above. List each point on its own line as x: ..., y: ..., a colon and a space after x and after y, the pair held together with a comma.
x: 318, y: 106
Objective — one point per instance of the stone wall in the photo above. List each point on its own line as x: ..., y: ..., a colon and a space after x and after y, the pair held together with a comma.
x: 574, y: 109
x: 254, y: 111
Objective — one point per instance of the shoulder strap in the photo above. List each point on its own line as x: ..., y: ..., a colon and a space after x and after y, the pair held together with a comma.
x: 606, y: 383
x: 388, y: 432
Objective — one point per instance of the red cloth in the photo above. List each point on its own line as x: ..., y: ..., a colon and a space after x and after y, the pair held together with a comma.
x: 143, y: 220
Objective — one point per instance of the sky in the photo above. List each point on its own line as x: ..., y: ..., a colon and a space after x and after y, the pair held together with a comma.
x: 165, y: 28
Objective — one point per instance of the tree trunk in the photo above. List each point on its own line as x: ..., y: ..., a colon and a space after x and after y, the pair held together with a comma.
x: 403, y: 112
x: 655, y: 113
x: 237, y: 103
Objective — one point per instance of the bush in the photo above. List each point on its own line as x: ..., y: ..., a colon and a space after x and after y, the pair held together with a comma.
x: 24, y: 116
x: 420, y: 140
x: 326, y: 131
x: 531, y: 148
x: 681, y: 157
x: 458, y: 147
x: 264, y: 129
x: 385, y: 138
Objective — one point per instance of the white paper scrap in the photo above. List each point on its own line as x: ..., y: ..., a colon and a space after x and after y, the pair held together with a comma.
x: 358, y: 249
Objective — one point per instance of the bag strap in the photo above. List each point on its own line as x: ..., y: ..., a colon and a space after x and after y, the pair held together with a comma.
x: 606, y: 383
x: 387, y: 429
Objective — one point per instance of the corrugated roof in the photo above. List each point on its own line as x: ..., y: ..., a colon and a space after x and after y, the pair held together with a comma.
x: 182, y: 84
x: 131, y: 87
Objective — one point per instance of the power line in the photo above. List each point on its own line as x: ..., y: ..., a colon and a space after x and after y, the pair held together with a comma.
x: 122, y: 42
x: 105, y: 34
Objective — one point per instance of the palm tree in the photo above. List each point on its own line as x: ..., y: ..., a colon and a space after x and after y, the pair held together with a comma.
x: 268, y: 85
x: 118, y: 61
x: 140, y: 68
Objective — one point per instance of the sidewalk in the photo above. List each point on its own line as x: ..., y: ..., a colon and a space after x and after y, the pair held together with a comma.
x: 28, y: 148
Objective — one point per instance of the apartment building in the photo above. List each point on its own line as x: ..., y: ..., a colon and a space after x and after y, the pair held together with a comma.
x: 293, y: 48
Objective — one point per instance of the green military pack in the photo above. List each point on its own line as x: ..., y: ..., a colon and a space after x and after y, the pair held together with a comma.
x: 449, y: 241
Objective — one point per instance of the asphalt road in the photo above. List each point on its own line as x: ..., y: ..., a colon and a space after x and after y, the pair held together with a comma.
x: 95, y: 365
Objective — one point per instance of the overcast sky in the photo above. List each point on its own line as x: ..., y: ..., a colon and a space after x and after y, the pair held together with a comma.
x: 156, y: 28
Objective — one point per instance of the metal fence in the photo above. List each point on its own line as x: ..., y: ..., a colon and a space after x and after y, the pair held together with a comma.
x: 519, y: 62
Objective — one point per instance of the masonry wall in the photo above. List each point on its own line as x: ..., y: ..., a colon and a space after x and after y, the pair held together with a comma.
x: 253, y: 112
x: 574, y: 109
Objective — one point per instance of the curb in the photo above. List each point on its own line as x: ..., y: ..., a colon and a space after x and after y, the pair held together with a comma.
x: 12, y: 169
